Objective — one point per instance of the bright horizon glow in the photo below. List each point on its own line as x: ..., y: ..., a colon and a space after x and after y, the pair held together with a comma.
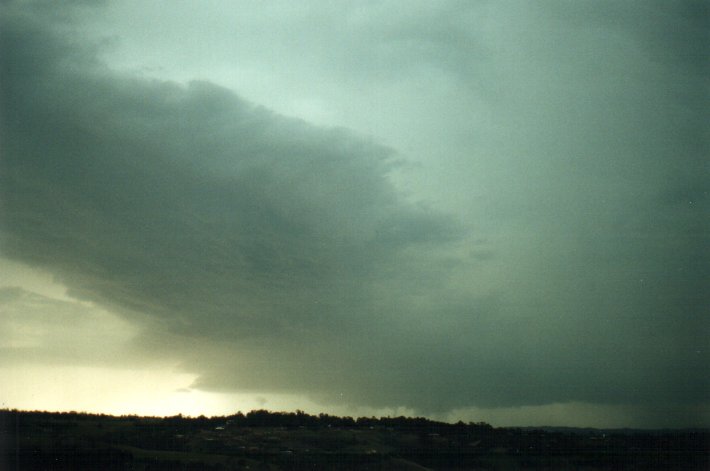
x: 164, y: 393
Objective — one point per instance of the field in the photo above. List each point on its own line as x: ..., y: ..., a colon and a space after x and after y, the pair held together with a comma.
x: 262, y: 440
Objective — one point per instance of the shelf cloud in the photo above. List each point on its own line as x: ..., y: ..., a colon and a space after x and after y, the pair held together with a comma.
x: 564, y: 261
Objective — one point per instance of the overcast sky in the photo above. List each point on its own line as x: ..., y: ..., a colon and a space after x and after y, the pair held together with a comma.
x: 476, y: 210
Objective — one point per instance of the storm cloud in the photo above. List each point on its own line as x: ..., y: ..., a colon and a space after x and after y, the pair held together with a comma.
x: 553, y: 250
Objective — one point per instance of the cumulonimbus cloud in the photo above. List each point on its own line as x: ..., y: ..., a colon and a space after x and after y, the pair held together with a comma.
x: 271, y: 255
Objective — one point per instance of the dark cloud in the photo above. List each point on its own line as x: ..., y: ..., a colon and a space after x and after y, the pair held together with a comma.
x: 188, y: 204
x: 144, y: 179
x: 269, y: 255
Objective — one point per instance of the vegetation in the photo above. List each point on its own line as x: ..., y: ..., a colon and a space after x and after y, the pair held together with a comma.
x: 264, y: 440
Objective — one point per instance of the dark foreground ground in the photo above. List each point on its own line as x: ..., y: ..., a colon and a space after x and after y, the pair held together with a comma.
x: 262, y: 440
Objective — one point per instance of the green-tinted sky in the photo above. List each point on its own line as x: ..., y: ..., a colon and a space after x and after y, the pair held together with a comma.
x: 478, y: 210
